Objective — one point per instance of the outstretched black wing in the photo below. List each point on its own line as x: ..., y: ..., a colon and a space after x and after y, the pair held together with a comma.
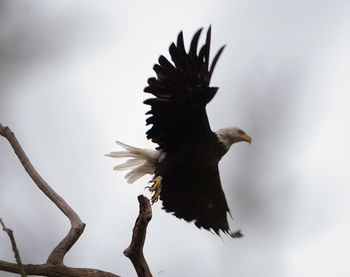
x: 182, y: 91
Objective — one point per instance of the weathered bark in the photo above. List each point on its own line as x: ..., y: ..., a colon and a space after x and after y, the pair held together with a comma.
x: 135, y: 250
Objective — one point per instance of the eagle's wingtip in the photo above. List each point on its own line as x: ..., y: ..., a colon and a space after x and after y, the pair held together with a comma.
x: 237, y: 234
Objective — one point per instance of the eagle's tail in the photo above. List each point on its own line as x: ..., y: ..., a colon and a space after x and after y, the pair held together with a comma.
x: 140, y: 162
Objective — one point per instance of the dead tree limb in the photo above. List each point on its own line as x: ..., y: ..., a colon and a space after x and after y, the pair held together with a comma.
x: 77, y: 226
x: 135, y: 250
x: 54, y: 266
x: 51, y: 270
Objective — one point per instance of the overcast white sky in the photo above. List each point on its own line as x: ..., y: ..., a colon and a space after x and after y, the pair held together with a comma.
x: 71, y: 81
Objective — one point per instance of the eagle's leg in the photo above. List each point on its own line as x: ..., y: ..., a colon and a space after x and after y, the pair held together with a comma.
x: 155, y: 188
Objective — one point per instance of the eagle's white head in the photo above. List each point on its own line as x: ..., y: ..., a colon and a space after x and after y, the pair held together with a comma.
x: 229, y: 136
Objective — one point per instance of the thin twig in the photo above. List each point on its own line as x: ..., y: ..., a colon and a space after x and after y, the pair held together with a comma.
x: 135, y: 250
x: 14, y: 248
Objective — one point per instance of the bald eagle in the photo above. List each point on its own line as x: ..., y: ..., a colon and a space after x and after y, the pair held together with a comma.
x: 185, y: 163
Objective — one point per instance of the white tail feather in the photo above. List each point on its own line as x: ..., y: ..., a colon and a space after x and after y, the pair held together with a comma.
x: 128, y: 164
x: 120, y: 154
x: 142, y: 161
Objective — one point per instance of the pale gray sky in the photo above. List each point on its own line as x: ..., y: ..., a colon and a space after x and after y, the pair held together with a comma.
x: 71, y: 81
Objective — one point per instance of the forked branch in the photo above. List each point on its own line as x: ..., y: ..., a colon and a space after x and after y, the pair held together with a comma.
x: 77, y: 226
x: 54, y: 266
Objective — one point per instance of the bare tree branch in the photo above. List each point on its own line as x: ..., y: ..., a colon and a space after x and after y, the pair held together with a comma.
x: 54, y: 266
x: 14, y: 248
x: 51, y: 270
x: 135, y: 250
x: 77, y: 226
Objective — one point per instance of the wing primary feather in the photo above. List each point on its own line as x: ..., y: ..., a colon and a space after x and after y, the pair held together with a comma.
x: 203, y: 67
x: 194, y: 43
x: 163, y: 61
x: 176, y: 57
x: 207, y: 48
x: 183, y: 56
x: 216, y: 58
x: 180, y: 42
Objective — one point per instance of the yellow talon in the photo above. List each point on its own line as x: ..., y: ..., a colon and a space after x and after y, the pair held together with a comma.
x: 155, y: 188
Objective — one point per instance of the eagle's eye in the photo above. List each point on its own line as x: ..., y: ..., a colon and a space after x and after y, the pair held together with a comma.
x: 240, y: 132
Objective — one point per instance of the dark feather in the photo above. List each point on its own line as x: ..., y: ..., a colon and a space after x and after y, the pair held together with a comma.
x: 207, y: 49
x: 194, y: 43
x: 215, y: 60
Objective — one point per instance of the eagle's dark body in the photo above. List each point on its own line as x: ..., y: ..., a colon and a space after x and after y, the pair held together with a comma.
x: 191, y: 187
x: 190, y: 183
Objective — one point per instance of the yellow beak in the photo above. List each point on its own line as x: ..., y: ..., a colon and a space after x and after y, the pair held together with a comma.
x: 246, y: 138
